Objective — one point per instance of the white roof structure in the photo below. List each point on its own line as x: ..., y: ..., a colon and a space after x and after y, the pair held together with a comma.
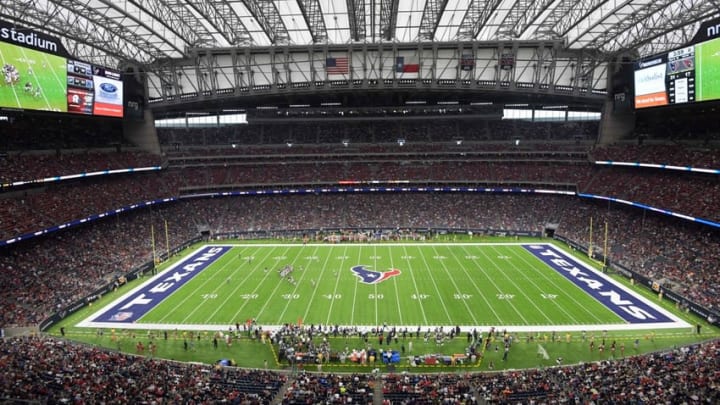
x: 143, y: 31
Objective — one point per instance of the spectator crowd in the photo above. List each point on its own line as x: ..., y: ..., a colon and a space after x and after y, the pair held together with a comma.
x: 45, y: 274
x: 52, y: 370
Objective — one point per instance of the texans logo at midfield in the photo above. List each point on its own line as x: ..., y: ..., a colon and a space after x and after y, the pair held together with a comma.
x: 371, y: 276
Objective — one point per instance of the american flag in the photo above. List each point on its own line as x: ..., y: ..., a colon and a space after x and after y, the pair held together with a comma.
x: 337, y: 66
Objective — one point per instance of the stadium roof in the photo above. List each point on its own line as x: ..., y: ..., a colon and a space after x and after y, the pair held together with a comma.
x: 143, y: 31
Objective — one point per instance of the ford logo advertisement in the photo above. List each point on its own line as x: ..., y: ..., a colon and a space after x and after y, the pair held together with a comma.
x: 108, y: 90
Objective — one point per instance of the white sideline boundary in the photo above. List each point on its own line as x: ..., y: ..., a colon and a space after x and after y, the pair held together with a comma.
x: 512, y: 328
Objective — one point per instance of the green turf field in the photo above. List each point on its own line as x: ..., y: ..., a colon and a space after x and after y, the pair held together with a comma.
x: 708, y: 70
x: 45, y: 72
x: 452, y: 284
x: 493, y: 281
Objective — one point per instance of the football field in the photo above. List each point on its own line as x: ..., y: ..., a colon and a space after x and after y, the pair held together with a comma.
x: 519, y: 286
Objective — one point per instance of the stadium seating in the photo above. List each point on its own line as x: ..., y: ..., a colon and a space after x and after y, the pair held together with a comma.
x: 47, y: 274
x: 86, y: 258
x: 52, y: 370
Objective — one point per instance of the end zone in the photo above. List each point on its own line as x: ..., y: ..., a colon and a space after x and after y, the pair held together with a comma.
x: 129, y: 308
x: 637, y: 311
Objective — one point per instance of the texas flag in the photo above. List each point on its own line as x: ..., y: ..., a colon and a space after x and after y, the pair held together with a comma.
x: 402, y: 67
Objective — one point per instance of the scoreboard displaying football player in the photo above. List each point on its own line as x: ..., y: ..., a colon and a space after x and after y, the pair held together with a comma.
x: 38, y: 74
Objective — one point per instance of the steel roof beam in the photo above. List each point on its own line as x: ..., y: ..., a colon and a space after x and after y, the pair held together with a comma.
x: 523, y: 13
x: 223, y: 19
x: 651, y: 22
x: 478, y: 14
x: 313, y: 15
x: 388, y: 18
x: 431, y: 19
x: 269, y: 19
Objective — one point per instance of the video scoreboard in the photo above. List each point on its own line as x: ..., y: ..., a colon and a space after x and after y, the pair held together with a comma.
x: 686, y: 75
x: 38, y: 74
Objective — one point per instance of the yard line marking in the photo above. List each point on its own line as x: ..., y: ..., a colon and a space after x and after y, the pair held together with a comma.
x: 490, y: 279
x: 375, y: 285
x: 571, y: 296
x: 539, y: 290
x: 47, y: 62
x: 297, y: 284
x: 317, y: 283
x: 520, y: 291
x: 186, y: 296
x: 478, y: 290
x: 270, y: 296
x: 232, y: 294
x: 12, y: 87
x: 397, y: 292
x: 337, y: 281
x: 192, y: 294
x: 457, y: 289
x: 352, y: 313
x: 412, y: 275
x: 37, y: 82
x: 437, y: 290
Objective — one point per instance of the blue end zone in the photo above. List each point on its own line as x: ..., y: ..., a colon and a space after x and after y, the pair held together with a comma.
x: 627, y: 306
x: 137, y: 304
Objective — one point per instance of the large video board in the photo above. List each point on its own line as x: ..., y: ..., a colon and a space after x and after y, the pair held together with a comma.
x: 35, y: 79
x: 686, y: 75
